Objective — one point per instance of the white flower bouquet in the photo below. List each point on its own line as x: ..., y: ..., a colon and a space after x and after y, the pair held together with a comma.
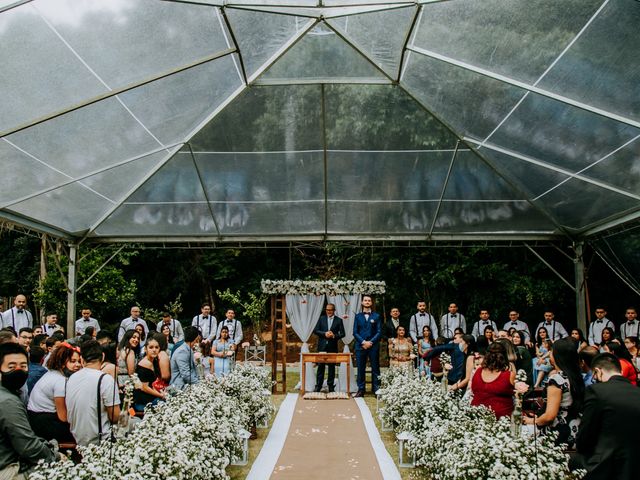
x: 326, y: 287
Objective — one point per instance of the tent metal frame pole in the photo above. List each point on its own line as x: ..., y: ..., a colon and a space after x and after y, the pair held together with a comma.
x: 558, y: 274
x: 72, y: 279
x: 580, y: 289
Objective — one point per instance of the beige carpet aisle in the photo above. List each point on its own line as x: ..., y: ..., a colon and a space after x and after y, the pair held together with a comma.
x: 327, y: 439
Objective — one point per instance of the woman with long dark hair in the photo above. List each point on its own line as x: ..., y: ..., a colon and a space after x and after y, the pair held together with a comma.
x: 524, y: 361
x: 578, y: 336
x: 128, y: 351
x: 148, y: 371
x: 565, y: 393
x: 608, y: 335
x: 472, y: 361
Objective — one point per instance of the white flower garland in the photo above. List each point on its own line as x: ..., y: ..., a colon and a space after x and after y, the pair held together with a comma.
x: 193, y: 435
x: 322, y: 287
x: 455, y: 441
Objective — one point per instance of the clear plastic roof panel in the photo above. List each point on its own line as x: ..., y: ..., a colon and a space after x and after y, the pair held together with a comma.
x: 273, y: 119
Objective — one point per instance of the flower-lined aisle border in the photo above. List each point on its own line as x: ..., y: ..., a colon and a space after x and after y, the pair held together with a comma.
x: 193, y: 435
x: 453, y: 440
x: 323, y: 287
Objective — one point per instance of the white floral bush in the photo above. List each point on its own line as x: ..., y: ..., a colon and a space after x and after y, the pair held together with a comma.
x: 326, y: 287
x: 193, y: 435
x: 455, y: 441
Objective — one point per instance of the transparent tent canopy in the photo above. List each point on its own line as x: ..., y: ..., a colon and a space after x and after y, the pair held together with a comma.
x: 279, y: 120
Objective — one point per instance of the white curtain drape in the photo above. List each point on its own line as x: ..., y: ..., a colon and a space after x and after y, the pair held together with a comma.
x: 303, y: 312
x: 346, y: 308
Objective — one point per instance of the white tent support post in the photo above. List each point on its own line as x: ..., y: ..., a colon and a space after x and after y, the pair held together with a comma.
x: 71, y: 290
x: 581, y: 286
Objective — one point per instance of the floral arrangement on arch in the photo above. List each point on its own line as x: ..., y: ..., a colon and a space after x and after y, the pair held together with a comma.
x: 322, y: 287
x: 452, y: 440
x: 169, y: 441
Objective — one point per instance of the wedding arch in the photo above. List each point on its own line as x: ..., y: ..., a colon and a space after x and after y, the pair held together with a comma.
x: 302, y: 300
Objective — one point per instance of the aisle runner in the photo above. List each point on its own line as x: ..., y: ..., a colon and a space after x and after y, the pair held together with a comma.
x: 325, y: 440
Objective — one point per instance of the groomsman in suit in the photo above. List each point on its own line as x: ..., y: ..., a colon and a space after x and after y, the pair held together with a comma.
x: 607, y: 441
x: 367, y: 330
x: 329, y: 329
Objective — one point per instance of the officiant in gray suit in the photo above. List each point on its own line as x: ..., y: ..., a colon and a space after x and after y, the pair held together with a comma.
x: 329, y: 329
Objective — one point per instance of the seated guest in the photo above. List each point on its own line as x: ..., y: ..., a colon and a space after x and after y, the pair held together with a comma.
x: 164, y: 362
x: 542, y: 364
x: 20, y: 447
x: 456, y: 349
x: 41, y: 341
x: 400, y: 348
x: 104, y: 337
x: 109, y: 365
x: 578, y: 336
x: 82, y: 398
x: 148, y: 371
x: 25, y: 337
x: 585, y: 356
x: 633, y: 347
x: 166, y: 331
x: 50, y: 345
x: 608, y: 335
x: 38, y: 330
x: 143, y: 335
x: 183, y: 366
x: 492, y: 384
x: 523, y: 361
x: 46, y: 408
x: 622, y: 354
x: 36, y: 370
x: 565, y: 393
x: 608, y: 441
x: 128, y: 350
x: 472, y: 361
x: 489, y: 334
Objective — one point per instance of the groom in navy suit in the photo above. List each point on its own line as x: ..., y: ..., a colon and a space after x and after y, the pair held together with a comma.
x: 367, y: 330
x: 329, y: 329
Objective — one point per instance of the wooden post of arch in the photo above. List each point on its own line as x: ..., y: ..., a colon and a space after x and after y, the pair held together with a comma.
x: 279, y: 342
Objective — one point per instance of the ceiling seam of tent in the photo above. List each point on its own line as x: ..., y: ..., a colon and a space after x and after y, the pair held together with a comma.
x: 257, y: 8
x: 444, y: 189
x: 548, y: 166
x: 130, y: 192
x: 227, y: 23
x: 222, y: 23
x: 357, y: 48
x: 283, y: 50
x: 95, y: 74
x: 579, y: 172
x: 55, y: 169
x: 548, y: 69
x: 86, y: 175
x: 515, y: 187
x: 204, y: 190
x: 620, y: 275
x: 99, y: 98
x: 13, y: 5
x: 409, y: 37
x: 525, y: 86
x: 373, y: 8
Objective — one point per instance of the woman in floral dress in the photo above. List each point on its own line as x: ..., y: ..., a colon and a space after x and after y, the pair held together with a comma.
x: 565, y: 394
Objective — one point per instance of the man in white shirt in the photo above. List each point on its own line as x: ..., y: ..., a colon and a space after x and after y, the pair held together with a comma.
x: 555, y: 329
x: 515, y: 322
x: 484, y: 322
x: 596, y: 327
x: 419, y: 319
x: 452, y: 320
x: 174, y: 327
x: 18, y: 316
x: 50, y: 325
x: 206, y: 323
x: 234, y: 326
x: 82, y: 398
x: 86, y: 320
x: 130, y: 323
x: 630, y: 328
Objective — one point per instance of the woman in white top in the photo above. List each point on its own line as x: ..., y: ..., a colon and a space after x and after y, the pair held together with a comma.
x: 46, y: 409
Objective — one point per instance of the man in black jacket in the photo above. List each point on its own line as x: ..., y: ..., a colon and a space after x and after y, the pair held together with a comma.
x: 607, y: 442
x: 329, y: 329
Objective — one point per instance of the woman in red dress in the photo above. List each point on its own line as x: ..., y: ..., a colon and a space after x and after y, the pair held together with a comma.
x: 492, y: 383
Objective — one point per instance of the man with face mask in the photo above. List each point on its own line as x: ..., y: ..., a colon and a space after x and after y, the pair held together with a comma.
x: 20, y: 448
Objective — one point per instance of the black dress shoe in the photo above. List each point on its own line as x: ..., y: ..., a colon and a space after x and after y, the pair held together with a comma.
x: 360, y: 393
x: 317, y: 390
